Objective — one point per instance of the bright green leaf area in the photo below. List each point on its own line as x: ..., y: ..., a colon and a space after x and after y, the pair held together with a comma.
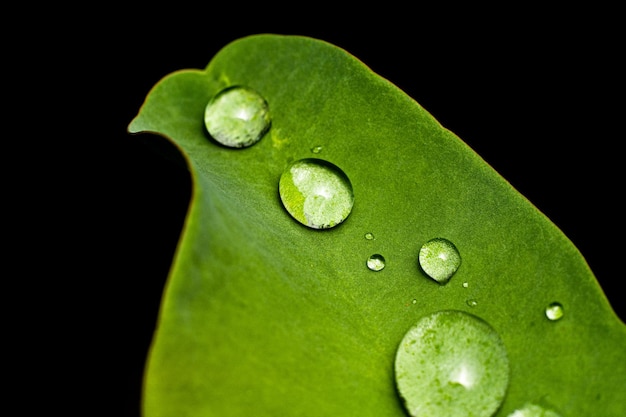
x: 263, y: 316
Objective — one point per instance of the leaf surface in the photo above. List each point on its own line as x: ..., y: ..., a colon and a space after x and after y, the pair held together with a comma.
x: 264, y: 316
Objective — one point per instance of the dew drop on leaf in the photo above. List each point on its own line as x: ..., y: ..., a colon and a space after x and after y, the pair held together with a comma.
x: 452, y: 364
x: 376, y: 262
x: 237, y: 117
x: 471, y: 302
x: 533, y: 410
x: 439, y: 259
x: 554, y: 311
x: 316, y: 192
x: 369, y: 236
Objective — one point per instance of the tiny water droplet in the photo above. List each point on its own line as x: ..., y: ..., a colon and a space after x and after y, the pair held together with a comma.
x: 414, y: 301
x: 369, y: 236
x: 471, y: 302
x: 237, y: 117
x: 439, y: 259
x: 533, y: 410
x: 465, y: 284
x: 376, y: 262
x: 317, y: 193
x: 451, y: 363
x: 554, y: 311
x: 316, y: 149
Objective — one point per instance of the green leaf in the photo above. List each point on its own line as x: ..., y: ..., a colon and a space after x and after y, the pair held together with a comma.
x: 264, y: 316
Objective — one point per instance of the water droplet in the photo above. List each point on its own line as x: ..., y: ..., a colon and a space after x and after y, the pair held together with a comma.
x: 471, y: 302
x: 452, y: 363
x: 439, y: 259
x: 414, y: 301
x: 316, y: 149
x: 376, y: 262
x: 554, y: 311
x: 465, y: 284
x: 237, y: 117
x: 533, y: 410
x: 369, y: 236
x: 316, y: 193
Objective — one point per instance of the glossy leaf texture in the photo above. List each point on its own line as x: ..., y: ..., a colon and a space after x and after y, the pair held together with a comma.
x: 262, y: 315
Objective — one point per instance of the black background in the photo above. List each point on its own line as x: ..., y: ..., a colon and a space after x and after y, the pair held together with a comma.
x: 537, y: 94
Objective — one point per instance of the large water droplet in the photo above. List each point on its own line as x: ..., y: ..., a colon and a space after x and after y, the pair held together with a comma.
x: 533, y: 410
x: 439, y: 259
x: 452, y: 364
x: 316, y: 193
x: 554, y: 311
x: 376, y: 262
x: 237, y: 117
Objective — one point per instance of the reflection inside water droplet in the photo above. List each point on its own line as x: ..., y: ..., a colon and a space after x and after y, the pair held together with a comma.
x: 451, y: 363
x: 376, y: 262
x: 237, y: 117
x: 439, y: 259
x: 317, y: 193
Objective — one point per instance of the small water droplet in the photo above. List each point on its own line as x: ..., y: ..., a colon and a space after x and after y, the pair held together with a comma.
x: 317, y: 193
x: 376, y: 262
x: 316, y: 149
x: 554, y: 311
x: 414, y: 301
x: 451, y: 363
x: 237, y: 117
x: 369, y: 236
x: 533, y: 410
x: 465, y: 284
x: 439, y: 259
x: 471, y: 302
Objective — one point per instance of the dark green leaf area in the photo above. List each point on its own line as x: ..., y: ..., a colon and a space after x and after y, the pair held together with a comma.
x: 264, y: 316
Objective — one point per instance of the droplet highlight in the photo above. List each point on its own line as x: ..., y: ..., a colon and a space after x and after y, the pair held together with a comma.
x: 237, y: 117
x: 452, y: 364
x: 316, y: 192
x: 554, y: 311
x: 376, y: 262
x: 533, y: 410
x: 439, y: 259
